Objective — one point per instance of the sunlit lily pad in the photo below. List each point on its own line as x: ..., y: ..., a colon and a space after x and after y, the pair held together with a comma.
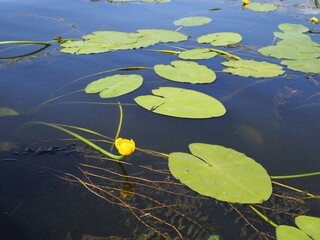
x: 292, y: 31
x: 284, y: 232
x: 220, y: 39
x: 252, y: 68
x: 185, y: 71
x: 293, y: 49
x: 183, y: 103
x: 306, y: 65
x: 115, y: 85
x: 221, y: 173
x: 105, y: 41
x: 309, y: 225
x: 261, y: 7
x: 7, y: 112
x: 199, y: 53
x: 192, y: 21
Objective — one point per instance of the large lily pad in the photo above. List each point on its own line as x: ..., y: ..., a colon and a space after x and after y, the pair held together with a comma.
x: 185, y: 71
x: 221, y: 173
x: 292, y: 48
x: 183, y: 103
x: 284, y: 232
x: 220, y: 39
x: 199, y: 53
x: 192, y: 21
x: 304, y: 65
x: 252, y: 68
x: 292, y: 31
x: 309, y: 225
x: 116, y: 85
x: 105, y: 41
x: 8, y: 112
x: 261, y: 7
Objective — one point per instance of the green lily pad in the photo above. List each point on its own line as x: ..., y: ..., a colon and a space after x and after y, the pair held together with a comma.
x: 221, y: 173
x: 261, y: 7
x: 284, y: 232
x: 7, y: 112
x: 220, y: 39
x: 199, y: 53
x: 105, y: 41
x: 306, y: 65
x: 164, y: 35
x: 115, y: 85
x: 292, y: 48
x: 252, y: 68
x: 185, y: 71
x: 192, y: 21
x: 183, y: 103
x: 290, y: 27
x: 309, y: 225
x: 286, y: 35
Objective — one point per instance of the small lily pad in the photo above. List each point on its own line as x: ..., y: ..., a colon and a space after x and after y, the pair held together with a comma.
x: 220, y: 39
x: 182, y: 103
x: 304, y: 65
x: 309, y: 225
x: 252, y: 68
x: 221, y: 173
x: 261, y: 7
x: 199, y: 53
x: 289, y: 27
x: 284, y: 232
x: 185, y: 71
x: 192, y: 21
x: 115, y: 85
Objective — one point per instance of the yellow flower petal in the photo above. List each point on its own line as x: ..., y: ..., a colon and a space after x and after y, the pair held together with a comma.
x: 314, y: 20
x: 125, y: 146
x: 245, y: 2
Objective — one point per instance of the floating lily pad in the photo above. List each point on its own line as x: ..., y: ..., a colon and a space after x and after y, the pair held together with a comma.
x: 252, y: 68
x: 309, y: 225
x: 221, y: 173
x: 192, y: 21
x: 7, y: 112
x: 261, y: 7
x: 105, y: 41
x: 293, y: 49
x: 306, y: 65
x: 185, y: 71
x: 220, y: 39
x: 115, y: 86
x: 292, y: 31
x: 183, y: 103
x: 199, y: 53
x: 284, y: 232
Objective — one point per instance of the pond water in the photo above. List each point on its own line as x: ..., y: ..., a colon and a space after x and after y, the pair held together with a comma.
x: 275, y: 120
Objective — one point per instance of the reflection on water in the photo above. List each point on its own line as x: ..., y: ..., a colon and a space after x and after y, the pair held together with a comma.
x: 274, y: 121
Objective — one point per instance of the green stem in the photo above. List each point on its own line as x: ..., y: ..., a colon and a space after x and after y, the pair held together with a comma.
x: 296, y: 176
x: 117, y: 157
x: 263, y: 216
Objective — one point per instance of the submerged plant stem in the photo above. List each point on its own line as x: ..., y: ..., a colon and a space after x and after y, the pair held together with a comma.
x: 295, y: 189
x: 263, y: 216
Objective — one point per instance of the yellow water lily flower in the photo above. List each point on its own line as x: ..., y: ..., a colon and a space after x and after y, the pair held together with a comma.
x: 125, y: 146
x: 314, y: 20
x: 245, y: 2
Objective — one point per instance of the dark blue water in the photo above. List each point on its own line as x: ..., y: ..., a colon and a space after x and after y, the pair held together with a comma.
x: 36, y: 205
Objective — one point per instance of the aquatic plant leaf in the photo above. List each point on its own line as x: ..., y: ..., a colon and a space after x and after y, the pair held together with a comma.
x: 83, y: 47
x: 261, y: 7
x: 192, y: 21
x: 183, y: 103
x: 220, y: 39
x: 290, y: 27
x: 252, y: 68
x: 304, y: 65
x: 285, y: 35
x: 309, y: 225
x: 199, y: 53
x: 115, y: 85
x: 284, y: 232
x: 185, y: 71
x: 221, y: 173
x: 292, y: 48
x: 7, y: 112
x: 163, y: 35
